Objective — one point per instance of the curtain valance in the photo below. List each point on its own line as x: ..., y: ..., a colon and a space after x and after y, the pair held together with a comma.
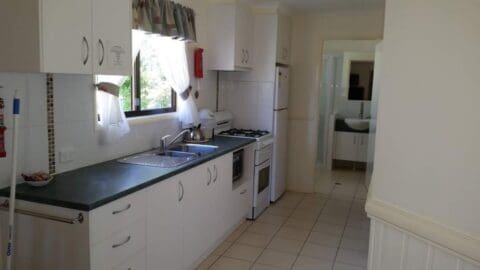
x: 164, y: 17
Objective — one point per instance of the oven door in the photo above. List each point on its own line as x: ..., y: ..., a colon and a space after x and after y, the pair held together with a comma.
x: 261, y: 195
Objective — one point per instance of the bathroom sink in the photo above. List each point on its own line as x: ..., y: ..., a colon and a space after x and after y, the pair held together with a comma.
x: 169, y: 159
x: 358, y: 124
x: 198, y: 149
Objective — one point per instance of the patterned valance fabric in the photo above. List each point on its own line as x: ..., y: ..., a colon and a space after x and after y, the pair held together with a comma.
x: 164, y: 17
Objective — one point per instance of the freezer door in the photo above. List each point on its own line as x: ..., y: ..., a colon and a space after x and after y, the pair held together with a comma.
x: 279, y: 166
x: 281, y: 88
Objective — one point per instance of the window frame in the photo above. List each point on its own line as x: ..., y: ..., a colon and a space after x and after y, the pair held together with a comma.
x: 136, y: 95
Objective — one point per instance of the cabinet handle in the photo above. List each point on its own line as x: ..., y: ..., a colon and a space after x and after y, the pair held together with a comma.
x: 122, y: 243
x: 248, y: 57
x: 216, y: 173
x: 100, y: 42
x: 209, y: 177
x: 243, y: 192
x: 181, y: 191
x: 355, y: 139
x: 243, y: 56
x: 116, y: 212
x: 85, y: 41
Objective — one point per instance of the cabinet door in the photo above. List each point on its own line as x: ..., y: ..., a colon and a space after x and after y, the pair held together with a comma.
x: 165, y: 224
x: 243, y: 36
x: 66, y: 36
x: 362, y: 147
x: 345, y: 146
x: 283, y: 40
x: 222, y: 187
x: 112, y: 37
x: 197, y: 214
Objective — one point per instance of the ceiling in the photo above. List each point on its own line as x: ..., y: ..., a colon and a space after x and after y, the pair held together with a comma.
x: 310, y: 6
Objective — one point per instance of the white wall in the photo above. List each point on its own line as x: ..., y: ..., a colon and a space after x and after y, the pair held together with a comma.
x: 75, y: 117
x: 395, y: 249
x: 308, y: 35
x: 427, y: 142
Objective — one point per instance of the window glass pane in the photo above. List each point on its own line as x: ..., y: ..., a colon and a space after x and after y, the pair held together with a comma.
x: 155, y: 93
x: 126, y: 95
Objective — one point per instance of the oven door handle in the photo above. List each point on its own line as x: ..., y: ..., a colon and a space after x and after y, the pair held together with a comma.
x: 263, y: 165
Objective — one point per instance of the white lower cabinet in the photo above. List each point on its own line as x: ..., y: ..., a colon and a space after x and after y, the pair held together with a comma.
x: 351, y: 146
x: 165, y: 224
x: 190, y: 213
x: 113, y: 251
x: 137, y: 262
x: 171, y: 225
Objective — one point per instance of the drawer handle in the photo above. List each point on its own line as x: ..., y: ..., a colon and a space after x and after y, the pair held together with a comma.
x: 243, y: 192
x: 123, y: 210
x: 216, y: 173
x: 209, y: 177
x: 122, y: 243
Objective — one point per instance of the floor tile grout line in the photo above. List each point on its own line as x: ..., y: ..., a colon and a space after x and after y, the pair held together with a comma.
x: 231, y: 244
x: 311, y: 229
x: 345, y: 226
x: 281, y: 225
x: 326, y: 199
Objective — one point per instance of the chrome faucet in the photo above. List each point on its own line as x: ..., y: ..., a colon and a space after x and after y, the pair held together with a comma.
x: 164, y: 144
x: 361, y: 110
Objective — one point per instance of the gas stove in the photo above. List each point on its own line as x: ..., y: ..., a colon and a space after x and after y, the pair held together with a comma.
x: 263, y: 138
x: 247, y: 133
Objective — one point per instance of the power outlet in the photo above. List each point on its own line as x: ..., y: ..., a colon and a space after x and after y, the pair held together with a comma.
x: 67, y: 154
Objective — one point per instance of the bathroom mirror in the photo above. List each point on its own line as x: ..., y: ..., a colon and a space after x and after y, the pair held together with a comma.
x: 360, y: 80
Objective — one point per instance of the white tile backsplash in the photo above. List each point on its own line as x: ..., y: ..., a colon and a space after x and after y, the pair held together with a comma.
x: 74, y: 123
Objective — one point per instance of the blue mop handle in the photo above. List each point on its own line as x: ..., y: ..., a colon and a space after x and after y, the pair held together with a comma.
x: 16, y: 105
x: 13, y: 184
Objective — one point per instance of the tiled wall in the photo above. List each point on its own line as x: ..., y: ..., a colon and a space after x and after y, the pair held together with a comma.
x: 74, y: 122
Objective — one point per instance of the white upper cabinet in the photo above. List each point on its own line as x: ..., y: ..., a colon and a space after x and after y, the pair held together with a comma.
x: 230, y: 36
x: 112, y: 37
x: 66, y: 36
x: 283, y: 39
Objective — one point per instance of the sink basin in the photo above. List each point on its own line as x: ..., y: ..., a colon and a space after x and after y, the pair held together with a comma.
x: 198, y: 149
x: 358, y: 124
x: 169, y: 159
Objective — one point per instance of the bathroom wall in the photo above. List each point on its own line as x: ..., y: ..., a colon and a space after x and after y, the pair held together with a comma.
x: 75, y: 117
x: 427, y: 147
x: 309, y: 33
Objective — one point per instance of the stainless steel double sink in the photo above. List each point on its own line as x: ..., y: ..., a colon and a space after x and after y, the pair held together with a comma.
x: 175, y: 156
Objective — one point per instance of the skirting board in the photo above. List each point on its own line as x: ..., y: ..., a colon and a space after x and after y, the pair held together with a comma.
x: 445, y: 237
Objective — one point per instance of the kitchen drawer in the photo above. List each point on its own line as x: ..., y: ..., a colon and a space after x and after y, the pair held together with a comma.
x: 116, y: 215
x: 118, y: 248
x: 137, y: 262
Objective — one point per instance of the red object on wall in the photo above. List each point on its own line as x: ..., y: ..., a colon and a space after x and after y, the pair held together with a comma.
x: 3, y: 153
x: 198, y: 56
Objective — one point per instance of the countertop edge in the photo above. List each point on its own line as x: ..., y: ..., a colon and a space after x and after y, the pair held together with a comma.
x: 92, y: 206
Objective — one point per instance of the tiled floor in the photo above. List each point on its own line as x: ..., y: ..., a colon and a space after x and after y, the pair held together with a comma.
x: 303, y: 231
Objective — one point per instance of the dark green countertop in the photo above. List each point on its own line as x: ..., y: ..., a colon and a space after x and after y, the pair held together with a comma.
x: 93, y: 186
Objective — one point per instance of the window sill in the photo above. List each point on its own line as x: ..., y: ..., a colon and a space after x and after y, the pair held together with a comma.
x: 141, y: 120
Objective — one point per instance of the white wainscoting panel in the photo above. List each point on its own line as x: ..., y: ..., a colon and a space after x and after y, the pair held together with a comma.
x: 394, y: 249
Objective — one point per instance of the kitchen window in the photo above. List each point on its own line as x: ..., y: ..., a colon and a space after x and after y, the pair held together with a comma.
x: 147, y: 92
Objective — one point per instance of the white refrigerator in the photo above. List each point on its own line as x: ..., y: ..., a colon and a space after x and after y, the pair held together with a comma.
x: 280, y: 132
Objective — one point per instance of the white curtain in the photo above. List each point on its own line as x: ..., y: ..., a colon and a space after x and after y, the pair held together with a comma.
x: 112, y: 124
x: 176, y: 70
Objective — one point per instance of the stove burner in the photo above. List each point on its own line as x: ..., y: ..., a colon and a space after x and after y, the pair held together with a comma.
x: 245, y: 133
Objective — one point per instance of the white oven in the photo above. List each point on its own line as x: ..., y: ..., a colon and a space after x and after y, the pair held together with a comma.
x: 262, y: 180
